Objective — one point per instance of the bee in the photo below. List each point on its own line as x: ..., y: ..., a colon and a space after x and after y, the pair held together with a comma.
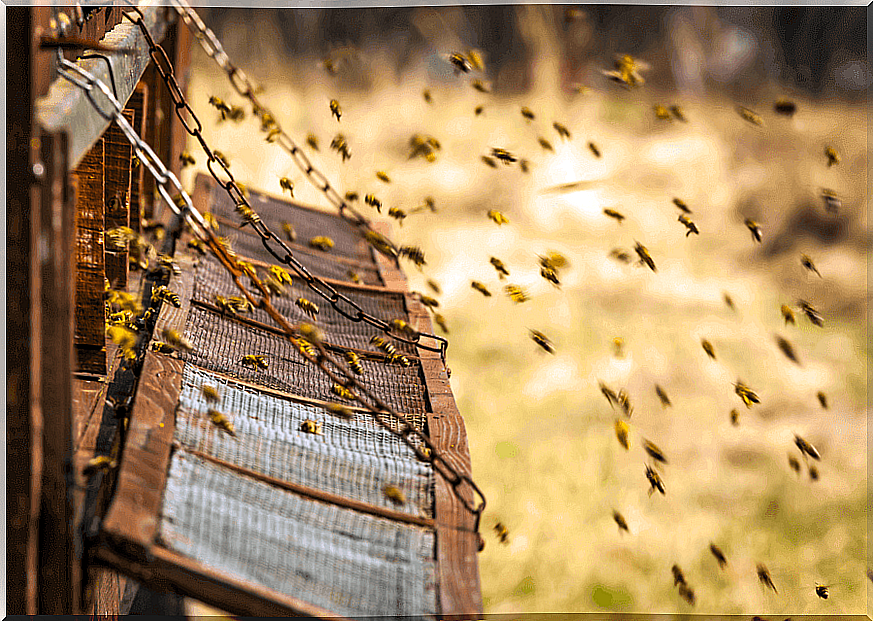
x: 281, y: 274
x: 482, y: 87
x: 430, y: 203
x: 248, y: 215
x: 210, y: 394
x: 665, y: 400
x: 654, y: 452
x: 221, y: 421
x: 594, y: 149
x: 794, y: 464
x: 426, y: 94
x: 340, y: 145
x: 342, y: 392
x: 354, y: 362
x: 382, y: 344
x: 621, y: 432
x: 551, y: 275
x: 441, y: 322
x: 162, y: 348
x: 380, y: 243
x: 199, y: 246
x: 785, y: 107
x: 806, y: 448
x: 274, y: 286
x: 813, y: 473
x: 545, y: 144
x: 321, y: 242
x: 755, y: 228
x: 460, y: 63
x: 221, y: 157
x: 381, y: 175
x: 335, y: 109
x: 236, y: 114
x: 256, y: 362
x: 609, y: 394
x: 310, y: 308
x: 627, y: 71
x: 267, y: 120
x: 339, y: 410
x: 735, y: 418
x: 287, y: 185
x: 787, y: 349
x: 186, y: 159
x: 121, y: 318
x: 687, y: 593
x: 398, y: 214
x: 681, y: 205
x: 746, y: 394
x: 394, y: 494
x: 623, y: 401
x: 273, y: 134
x: 502, y: 272
x: 707, y: 347
x: 614, y: 214
x: 398, y: 325
x: 618, y: 347
x: 524, y: 165
x: 563, y: 132
x: 352, y: 196
x: 502, y: 532
x: 821, y: 590
x: 619, y: 519
x: 490, y: 161
x: 96, y: 464
x: 475, y: 58
x: 692, y: 228
x: 176, y: 340
x: 427, y: 300
x: 662, y: 114
x: 718, y: 554
x: 788, y: 314
x: 542, y: 340
x: 764, y: 577
x: 224, y: 306
x: 750, y: 116
x: 831, y: 201
x: 478, y: 110
x: 372, y: 201
x: 527, y: 114
x: 414, y: 254
x: 478, y: 286
x: 289, y: 231
x: 221, y: 106
x: 312, y: 141
x: 729, y: 302
x: 813, y: 315
x: 678, y: 114
x: 497, y: 217
x: 399, y: 359
x: 503, y: 155
x: 832, y: 155
x: 306, y: 348
x: 516, y: 294
x: 310, y: 332
x: 678, y: 576
x: 822, y: 399
x: 620, y: 255
x: 310, y: 426
x: 655, y: 482
x: 806, y: 262
x: 645, y: 257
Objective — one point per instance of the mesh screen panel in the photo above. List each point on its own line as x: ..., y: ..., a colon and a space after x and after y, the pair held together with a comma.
x: 348, y: 562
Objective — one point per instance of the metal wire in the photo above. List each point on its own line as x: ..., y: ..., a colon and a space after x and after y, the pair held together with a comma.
x: 338, y: 372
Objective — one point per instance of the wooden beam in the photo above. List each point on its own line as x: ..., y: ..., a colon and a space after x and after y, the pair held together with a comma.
x: 117, y: 153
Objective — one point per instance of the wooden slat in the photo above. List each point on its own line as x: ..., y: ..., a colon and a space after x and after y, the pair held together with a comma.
x: 138, y: 103
x: 117, y: 154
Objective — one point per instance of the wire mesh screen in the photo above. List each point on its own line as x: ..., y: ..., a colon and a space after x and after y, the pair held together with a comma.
x: 220, y: 344
x: 348, y: 241
x: 212, y: 279
x: 348, y: 562
x: 354, y: 459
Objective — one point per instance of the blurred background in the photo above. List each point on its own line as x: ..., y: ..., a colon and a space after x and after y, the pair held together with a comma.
x: 541, y: 433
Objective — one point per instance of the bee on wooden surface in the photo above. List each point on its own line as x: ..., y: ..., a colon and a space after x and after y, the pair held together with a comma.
x: 832, y: 155
x: 335, y: 109
x: 221, y: 157
x: 750, y: 116
x: 619, y: 519
x: 414, y: 254
x: 806, y: 448
x: 681, y: 205
x: 623, y: 401
x: 162, y: 348
x: 545, y: 144
x: 527, y: 114
x: 478, y: 286
x: 397, y: 213
x: 312, y: 141
x: 661, y: 113
x: 594, y: 149
x: 199, y: 246
x: 220, y: 105
x: 687, y: 593
x: 678, y: 113
x: 821, y: 590
x: 441, y: 322
x: 665, y: 400
x: 524, y: 165
x: 96, y: 464
x: 399, y: 359
x: 482, y: 87
x: 502, y: 532
x: 609, y: 394
x: 516, y: 294
x: 764, y: 577
x: 503, y: 155
x: 707, y: 347
x: 372, y: 201
x: 822, y: 399
x: 321, y: 242
x: 380, y: 243
x: 122, y: 318
x: 490, y: 161
x: 645, y: 257
x: 813, y: 473
x: 502, y: 272
x: 692, y: 228
x: 718, y: 554
x: 831, y: 201
x: 622, y: 433
x: 224, y: 306
x: 654, y: 452
x: 381, y: 175
x: 176, y: 340
x: 187, y: 159
x: 394, y: 494
x: 678, y: 576
x: 542, y: 340
x: 221, y: 421
x: 310, y: 426
x: 806, y: 262
x: 210, y: 394
x: 655, y: 481
x: 813, y: 315
x: 618, y: 347
x: 339, y: 410
x: 427, y: 96
x: 400, y: 326
x: 563, y: 132
x: 382, y: 344
x: 306, y: 348
x: 746, y: 394
x: 785, y: 107
x: 310, y: 308
x: 735, y: 418
x: 342, y: 392
x: 254, y: 361
x: 460, y: 63
x: 729, y: 302
x: 787, y: 349
x: 620, y: 255
x: 755, y: 228
x: 354, y: 362
x: 612, y: 213
x: 340, y: 145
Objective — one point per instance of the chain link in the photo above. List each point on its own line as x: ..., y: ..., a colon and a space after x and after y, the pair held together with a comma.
x: 415, y: 438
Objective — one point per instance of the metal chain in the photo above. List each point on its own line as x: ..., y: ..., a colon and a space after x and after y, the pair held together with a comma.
x: 341, y: 302
x: 335, y: 370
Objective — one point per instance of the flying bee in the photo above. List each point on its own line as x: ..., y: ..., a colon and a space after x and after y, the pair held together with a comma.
x: 221, y: 106
x: 490, y: 161
x: 746, y: 394
x: 289, y: 231
x: 655, y: 482
x: 609, y: 394
x: 735, y: 418
x: 524, y: 165
x: 310, y: 308
x: 267, y: 120
x: 718, y: 554
x: 340, y: 145
x: 475, y: 58
x: 398, y: 214
x: 645, y: 257
x: 426, y: 94
x: 478, y: 110
x: 678, y: 113
x: 502, y: 272
x: 627, y: 71
x: 821, y: 590
x: 382, y: 344
x: 199, y: 246
x: 794, y: 464
x: 354, y: 362
x: 281, y: 274
x: 618, y: 347
x: 553, y: 261
x: 427, y: 300
x: 822, y: 399
x: 813, y: 473
x: 527, y: 114
x: 614, y: 214
x: 186, y: 159
x: 399, y: 359
x: 342, y: 392
x: 750, y: 116
x: 321, y: 242
x: 516, y: 294
x: 287, y: 185
x: 221, y: 157
x: 380, y: 243
x: 813, y: 315
x: 831, y: 201
x: 482, y: 87
x: 665, y: 400
x: 310, y: 426
x: 729, y: 302
x: 594, y: 149
x: 563, y: 132
x: 619, y: 519
x: 497, y: 217
x: 832, y: 155
x: 398, y: 325
x: 622, y: 433
x: 335, y: 109
x: 236, y: 114
x: 96, y: 464
x: 247, y: 214
x: 224, y: 306
x: 788, y: 314
x: 806, y: 448
x: 661, y: 113
x: 161, y: 347
x: 441, y: 322
x: 545, y: 144
x: 352, y: 196
x: 414, y: 254
x: 273, y: 134
x: 372, y: 201
x: 678, y: 576
x: 312, y: 141
x: 256, y: 362
x: 755, y: 228
x: 707, y: 347
x: 381, y: 175
x: 274, y: 286
x: 764, y: 577
x: 654, y: 452
x: 210, y: 394
x: 221, y: 421
x: 551, y: 275
x: 687, y: 593
x: 623, y: 401
x: 620, y: 255
x: 542, y: 340
x: 806, y: 262
x: 681, y: 205
x: 310, y: 332
x: 339, y: 410
x: 176, y: 340
x: 787, y: 349
x: 502, y: 532
x: 785, y: 107
x: 503, y: 155
x: 460, y: 63
x: 394, y: 494
x: 692, y: 228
